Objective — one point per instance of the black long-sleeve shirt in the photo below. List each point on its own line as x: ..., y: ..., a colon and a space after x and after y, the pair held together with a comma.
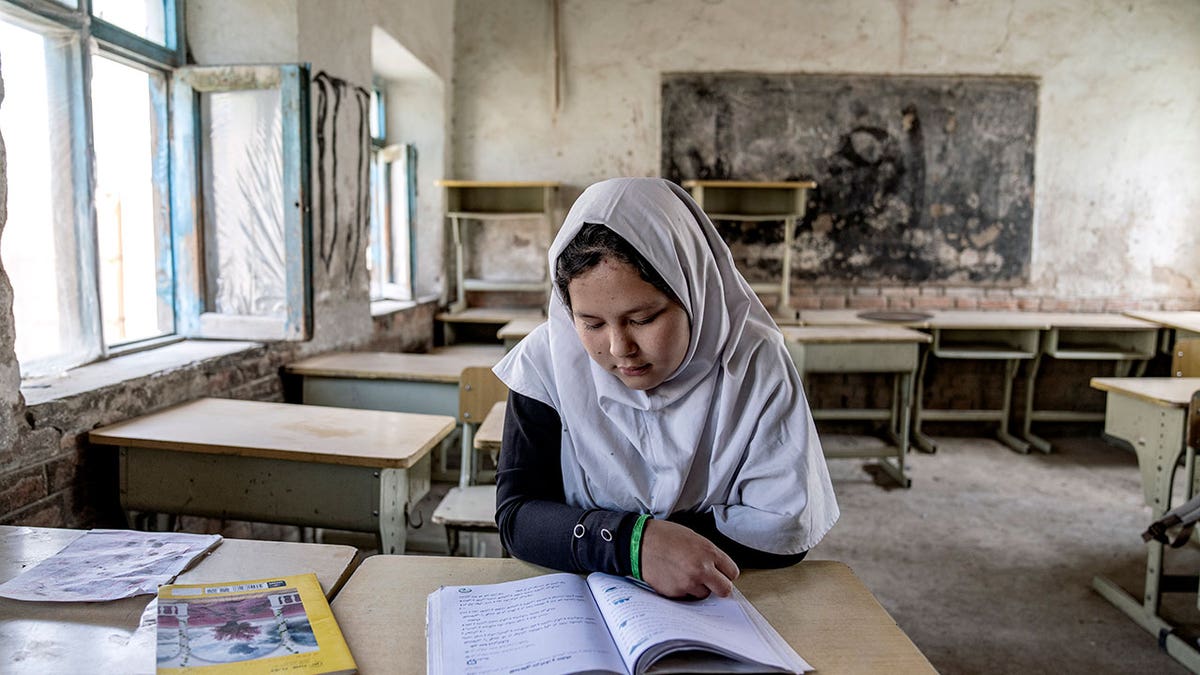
x: 537, y: 525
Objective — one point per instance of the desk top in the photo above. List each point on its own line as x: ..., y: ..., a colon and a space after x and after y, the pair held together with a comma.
x: 499, y: 315
x: 1169, y: 392
x: 792, y: 184
x: 517, y: 329
x: 848, y: 334
x: 448, y: 183
x: 107, y: 637
x: 490, y: 434
x: 1188, y: 320
x: 310, y: 433
x: 1093, y: 321
x: 443, y: 364
x: 850, y: 317
x: 819, y: 607
x: 988, y: 320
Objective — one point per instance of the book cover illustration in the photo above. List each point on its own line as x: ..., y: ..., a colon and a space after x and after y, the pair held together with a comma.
x: 282, y: 625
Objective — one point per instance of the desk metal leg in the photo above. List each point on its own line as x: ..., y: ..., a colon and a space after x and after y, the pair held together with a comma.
x: 1010, y: 373
x: 1027, y: 423
x: 920, y: 440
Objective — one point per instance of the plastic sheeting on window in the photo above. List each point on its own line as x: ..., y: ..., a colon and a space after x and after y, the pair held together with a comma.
x: 244, y: 237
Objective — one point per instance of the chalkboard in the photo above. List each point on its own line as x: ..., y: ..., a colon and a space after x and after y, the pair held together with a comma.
x: 920, y: 178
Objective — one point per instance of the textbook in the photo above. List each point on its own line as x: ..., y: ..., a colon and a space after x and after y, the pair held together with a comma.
x: 565, y: 623
x: 279, y: 625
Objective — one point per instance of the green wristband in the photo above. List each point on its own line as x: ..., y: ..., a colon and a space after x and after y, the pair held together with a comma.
x: 635, y: 547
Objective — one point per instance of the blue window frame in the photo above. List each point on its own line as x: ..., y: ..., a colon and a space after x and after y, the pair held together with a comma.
x: 112, y: 249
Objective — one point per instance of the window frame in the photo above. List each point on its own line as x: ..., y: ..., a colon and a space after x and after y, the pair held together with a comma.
x: 180, y: 265
x: 384, y: 156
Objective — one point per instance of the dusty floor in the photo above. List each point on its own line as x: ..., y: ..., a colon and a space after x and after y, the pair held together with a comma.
x: 987, y: 561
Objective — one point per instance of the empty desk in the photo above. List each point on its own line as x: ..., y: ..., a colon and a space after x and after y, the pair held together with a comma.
x: 864, y: 349
x: 311, y: 466
x: 417, y: 383
x: 1121, y: 340
x: 1178, y: 326
x: 819, y: 607
x: 514, y: 331
x: 112, y: 637
x: 1149, y: 414
x: 1010, y: 337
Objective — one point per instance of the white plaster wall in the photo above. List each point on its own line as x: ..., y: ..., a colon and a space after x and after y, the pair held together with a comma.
x: 416, y: 107
x: 1117, y: 210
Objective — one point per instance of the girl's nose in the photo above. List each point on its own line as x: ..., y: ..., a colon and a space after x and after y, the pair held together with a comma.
x: 620, y: 343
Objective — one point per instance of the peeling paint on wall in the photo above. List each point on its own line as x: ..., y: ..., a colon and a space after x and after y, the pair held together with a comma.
x: 919, y: 178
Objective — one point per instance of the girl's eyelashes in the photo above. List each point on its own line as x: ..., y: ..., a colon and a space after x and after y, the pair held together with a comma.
x: 648, y: 319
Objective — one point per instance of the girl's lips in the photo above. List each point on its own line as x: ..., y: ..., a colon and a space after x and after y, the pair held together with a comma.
x: 632, y: 372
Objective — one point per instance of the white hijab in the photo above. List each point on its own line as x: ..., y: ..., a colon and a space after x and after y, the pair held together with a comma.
x: 730, y: 431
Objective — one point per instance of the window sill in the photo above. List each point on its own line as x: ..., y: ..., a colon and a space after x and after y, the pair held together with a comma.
x: 381, y: 308
x: 120, y: 369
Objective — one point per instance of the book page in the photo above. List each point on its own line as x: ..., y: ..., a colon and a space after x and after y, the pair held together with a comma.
x: 546, y: 624
x: 109, y: 564
x: 642, y: 622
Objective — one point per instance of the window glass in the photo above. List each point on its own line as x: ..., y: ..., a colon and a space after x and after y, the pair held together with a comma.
x: 144, y: 18
x: 244, y: 202
x: 130, y: 213
x: 41, y: 245
x: 379, y: 242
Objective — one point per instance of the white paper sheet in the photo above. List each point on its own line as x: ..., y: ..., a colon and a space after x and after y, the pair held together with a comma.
x: 108, y: 565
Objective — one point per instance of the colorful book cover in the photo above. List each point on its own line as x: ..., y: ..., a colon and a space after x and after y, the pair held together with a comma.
x: 280, y: 625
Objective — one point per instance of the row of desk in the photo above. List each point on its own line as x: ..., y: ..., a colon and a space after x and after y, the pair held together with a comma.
x: 819, y: 607
x: 276, y: 462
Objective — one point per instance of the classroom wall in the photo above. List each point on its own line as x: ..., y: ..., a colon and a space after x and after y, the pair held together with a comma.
x: 1117, y: 208
x: 48, y: 475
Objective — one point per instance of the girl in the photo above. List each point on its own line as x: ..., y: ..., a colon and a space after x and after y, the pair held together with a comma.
x: 656, y: 426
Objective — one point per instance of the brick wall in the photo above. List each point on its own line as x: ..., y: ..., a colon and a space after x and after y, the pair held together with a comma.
x: 53, y: 478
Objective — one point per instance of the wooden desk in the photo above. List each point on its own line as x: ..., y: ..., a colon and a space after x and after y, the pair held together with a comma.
x: 1149, y: 414
x: 864, y: 349
x: 850, y: 317
x: 1010, y: 337
x: 1179, y: 325
x: 494, y: 202
x: 311, y: 466
x: 1083, y: 336
x: 758, y: 201
x: 415, y: 383
x: 514, y: 331
x: 481, y: 317
x: 113, y: 637
x: 819, y: 607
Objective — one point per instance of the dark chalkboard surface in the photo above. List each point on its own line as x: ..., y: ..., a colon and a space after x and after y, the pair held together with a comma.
x: 918, y: 178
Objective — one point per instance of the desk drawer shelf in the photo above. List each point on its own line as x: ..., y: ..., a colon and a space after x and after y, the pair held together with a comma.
x: 1062, y: 343
x: 984, y: 344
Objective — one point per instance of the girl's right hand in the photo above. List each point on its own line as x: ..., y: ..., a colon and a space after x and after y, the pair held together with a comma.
x: 677, y: 562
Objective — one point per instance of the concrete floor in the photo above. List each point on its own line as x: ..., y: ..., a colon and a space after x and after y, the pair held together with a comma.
x: 987, y: 561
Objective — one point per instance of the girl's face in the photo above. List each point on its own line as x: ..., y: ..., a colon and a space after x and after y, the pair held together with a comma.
x: 627, y: 325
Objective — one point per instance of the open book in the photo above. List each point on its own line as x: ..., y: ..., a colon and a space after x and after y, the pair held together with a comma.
x: 564, y: 623
x: 274, y: 625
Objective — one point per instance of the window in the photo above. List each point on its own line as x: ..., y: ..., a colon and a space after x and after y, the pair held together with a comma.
x: 134, y: 213
x: 393, y: 205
